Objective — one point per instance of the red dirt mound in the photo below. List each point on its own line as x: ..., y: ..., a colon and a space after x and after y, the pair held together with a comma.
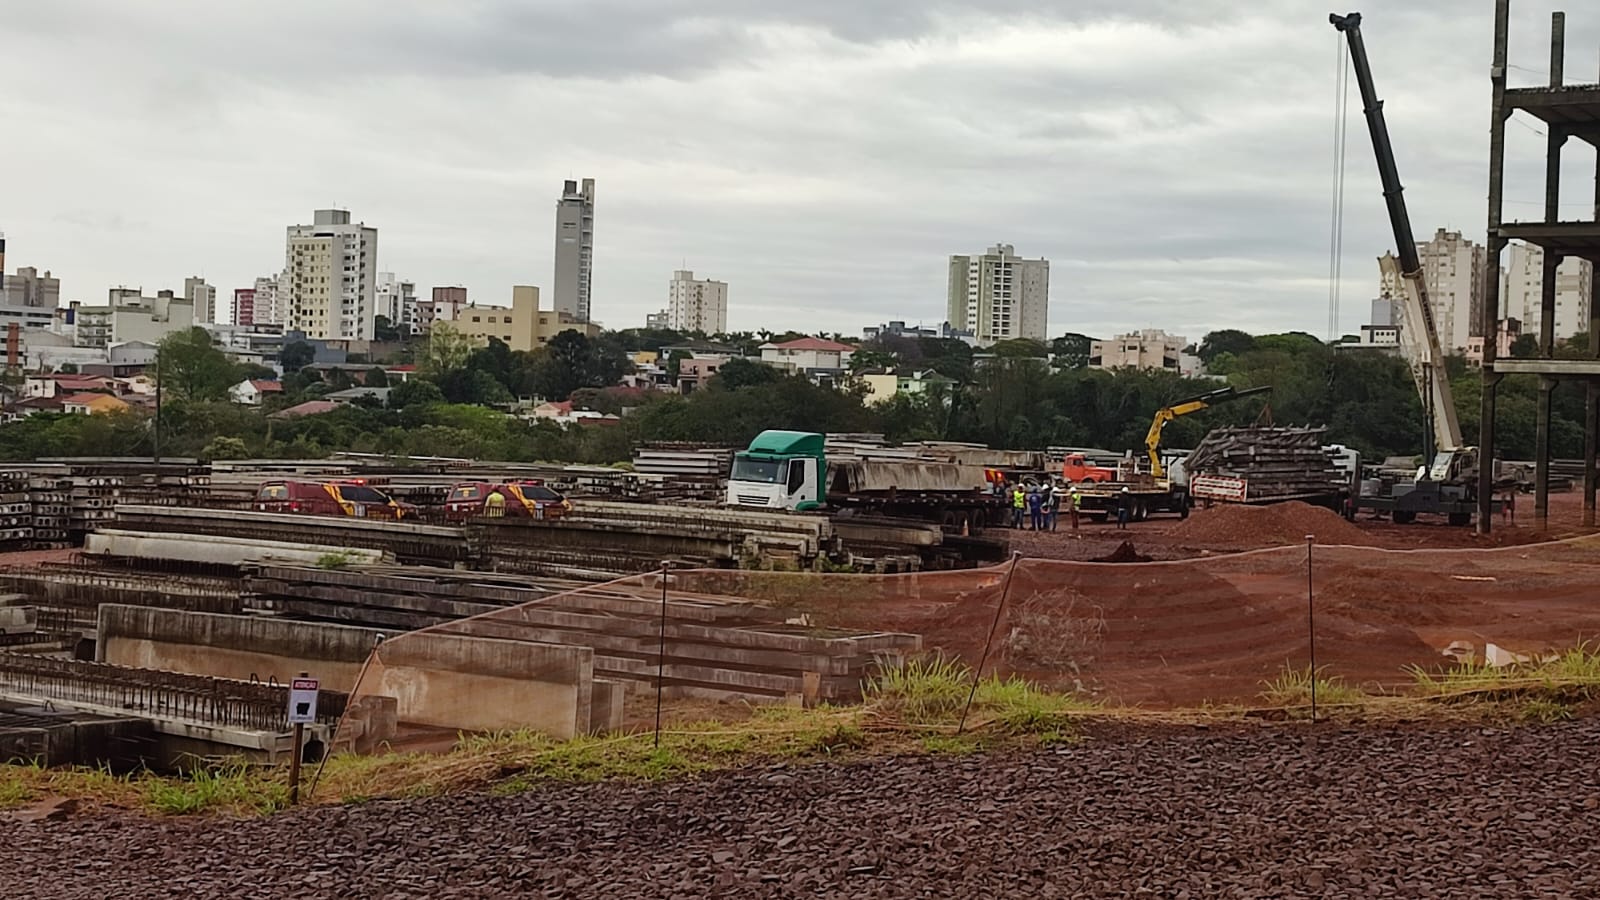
x: 1125, y: 553
x: 1277, y: 524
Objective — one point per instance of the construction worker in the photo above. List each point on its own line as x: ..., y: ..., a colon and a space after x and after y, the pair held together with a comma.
x: 494, y: 505
x: 1036, y: 509
x: 1019, y: 502
x: 1074, y: 504
x: 1124, y: 501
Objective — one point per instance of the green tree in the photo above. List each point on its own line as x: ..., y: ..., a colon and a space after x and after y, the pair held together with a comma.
x: 376, y: 377
x: 415, y: 392
x: 446, y: 350
x: 1071, y: 350
x: 384, y: 330
x: 1228, y: 340
x: 296, y: 355
x: 190, y: 367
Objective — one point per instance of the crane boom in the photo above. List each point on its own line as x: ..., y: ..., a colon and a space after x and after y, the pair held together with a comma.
x: 1152, y: 440
x: 1419, y: 337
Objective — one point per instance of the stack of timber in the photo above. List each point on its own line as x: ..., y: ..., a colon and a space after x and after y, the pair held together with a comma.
x: 715, y: 646
x: 1274, y: 463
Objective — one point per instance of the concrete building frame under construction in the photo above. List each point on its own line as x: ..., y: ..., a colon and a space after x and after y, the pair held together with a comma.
x: 1567, y: 111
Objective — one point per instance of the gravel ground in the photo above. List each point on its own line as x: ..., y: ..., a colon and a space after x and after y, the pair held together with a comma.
x: 1286, y: 811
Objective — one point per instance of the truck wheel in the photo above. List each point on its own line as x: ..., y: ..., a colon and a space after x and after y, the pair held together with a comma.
x: 1404, y: 517
x: 1461, y: 520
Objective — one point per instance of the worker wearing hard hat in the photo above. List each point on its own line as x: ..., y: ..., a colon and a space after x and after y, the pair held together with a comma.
x: 1124, y: 501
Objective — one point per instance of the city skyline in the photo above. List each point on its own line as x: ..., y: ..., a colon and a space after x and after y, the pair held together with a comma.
x: 1171, y: 160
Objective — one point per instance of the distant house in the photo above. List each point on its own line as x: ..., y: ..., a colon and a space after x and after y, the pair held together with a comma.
x: 252, y: 391
x: 401, y: 374
x: 808, y: 356
x: 91, y: 404
x: 563, y: 414
x: 308, y: 408
x: 351, y: 395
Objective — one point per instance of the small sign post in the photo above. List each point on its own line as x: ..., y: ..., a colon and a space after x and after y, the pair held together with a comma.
x: 302, y: 711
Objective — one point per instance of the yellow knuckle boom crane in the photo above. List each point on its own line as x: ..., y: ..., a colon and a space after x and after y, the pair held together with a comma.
x: 1164, y: 415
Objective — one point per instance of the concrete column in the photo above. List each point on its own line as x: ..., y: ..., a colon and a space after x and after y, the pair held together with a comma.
x: 1491, y: 275
x: 1541, y: 455
x: 1591, y: 447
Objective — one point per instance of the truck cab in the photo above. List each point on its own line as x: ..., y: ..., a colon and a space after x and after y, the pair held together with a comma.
x: 780, y: 470
x: 1077, y: 469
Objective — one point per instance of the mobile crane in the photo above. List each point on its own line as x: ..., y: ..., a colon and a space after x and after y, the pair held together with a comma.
x: 1446, y: 485
x: 1164, y: 415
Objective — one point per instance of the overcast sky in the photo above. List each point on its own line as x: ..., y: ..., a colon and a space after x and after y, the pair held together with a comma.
x: 1172, y: 158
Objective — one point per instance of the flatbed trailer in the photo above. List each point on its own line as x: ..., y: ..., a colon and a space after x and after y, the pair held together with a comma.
x: 1099, y: 499
x: 956, y: 512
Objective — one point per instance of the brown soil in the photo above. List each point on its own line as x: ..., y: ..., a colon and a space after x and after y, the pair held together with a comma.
x: 1228, y: 526
x: 1125, y: 553
x: 1212, y: 624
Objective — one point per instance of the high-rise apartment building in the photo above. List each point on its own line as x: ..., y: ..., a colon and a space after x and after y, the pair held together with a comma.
x: 30, y: 287
x: 697, y: 304
x: 574, y: 249
x: 1000, y: 296
x: 204, y: 298
x: 269, y: 302
x: 397, y: 302
x: 1453, y: 270
x: 244, y: 306
x: 329, y: 284
x: 1522, y: 290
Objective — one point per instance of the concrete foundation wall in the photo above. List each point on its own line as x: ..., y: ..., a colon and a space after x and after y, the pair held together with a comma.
x: 482, y: 684
x: 440, y: 680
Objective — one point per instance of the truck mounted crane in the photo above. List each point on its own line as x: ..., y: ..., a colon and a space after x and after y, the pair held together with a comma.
x: 1164, y: 415
x: 1445, y: 484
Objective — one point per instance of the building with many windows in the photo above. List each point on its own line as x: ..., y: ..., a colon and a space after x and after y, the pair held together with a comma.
x: 999, y: 296
x: 1522, y: 293
x: 695, y: 304
x: 397, y: 302
x: 203, y: 297
x: 574, y: 249
x: 329, y: 284
x: 1148, y: 349
x: 1453, y: 269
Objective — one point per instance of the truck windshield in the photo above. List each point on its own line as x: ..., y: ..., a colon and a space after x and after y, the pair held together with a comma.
x: 766, y: 471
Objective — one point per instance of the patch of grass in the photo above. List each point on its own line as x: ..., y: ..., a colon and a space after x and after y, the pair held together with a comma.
x: 934, y: 692
x: 952, y: 744
x: 233, y: 787
x: 336, y: 560
x: 1573, y: 674
x: 1293, y: 687
x: 1545, y: 711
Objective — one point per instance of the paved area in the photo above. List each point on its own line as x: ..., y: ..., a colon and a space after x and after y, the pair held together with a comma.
x: 1285, y: 811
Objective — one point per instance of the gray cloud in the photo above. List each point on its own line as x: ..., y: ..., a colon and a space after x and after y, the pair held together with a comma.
x: 1172, y: 158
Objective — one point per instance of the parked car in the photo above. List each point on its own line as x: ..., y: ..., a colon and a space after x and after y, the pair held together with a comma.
x: 525, y: 499
x: 331, y: 498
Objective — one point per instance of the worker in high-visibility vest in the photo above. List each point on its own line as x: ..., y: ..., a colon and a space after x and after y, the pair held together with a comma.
x: 494, y: 505
x: 1019, y: 502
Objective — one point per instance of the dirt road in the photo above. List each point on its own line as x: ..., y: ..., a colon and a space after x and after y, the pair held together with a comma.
x: 1288, y: 811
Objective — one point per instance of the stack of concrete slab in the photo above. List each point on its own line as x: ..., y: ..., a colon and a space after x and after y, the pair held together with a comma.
x: 630, y: 537
x: 717, y: 646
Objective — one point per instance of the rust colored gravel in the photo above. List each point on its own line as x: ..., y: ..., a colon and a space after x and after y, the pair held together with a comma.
x: 1288, y: 811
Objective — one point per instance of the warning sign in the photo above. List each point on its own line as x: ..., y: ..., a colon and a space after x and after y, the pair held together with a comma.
x: 303, y: 701
x: 1219, y: 487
